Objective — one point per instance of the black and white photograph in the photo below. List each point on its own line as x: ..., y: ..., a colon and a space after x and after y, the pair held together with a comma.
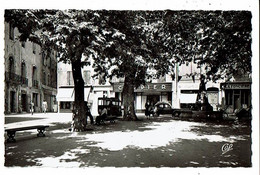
x: 157, y: 88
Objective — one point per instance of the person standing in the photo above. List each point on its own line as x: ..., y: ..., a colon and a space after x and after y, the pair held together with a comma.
x: 32, y: 107
x: 44, y: 105
x: 147, y: 105
x: 88, y: 113
x: 102, y: 116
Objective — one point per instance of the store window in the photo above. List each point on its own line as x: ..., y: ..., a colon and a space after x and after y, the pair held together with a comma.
x: 65, y: 105
x: 229, y: 97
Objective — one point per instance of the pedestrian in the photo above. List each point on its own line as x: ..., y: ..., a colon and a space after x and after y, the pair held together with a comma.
x: 102, y: 116
x: 147, y: 105
x: 32, y: 107
x: 88, y: 114
x: 44, y: 106
x: 151, y: 110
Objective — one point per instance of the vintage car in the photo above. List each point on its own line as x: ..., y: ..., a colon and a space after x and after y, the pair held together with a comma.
x: 163, y: 108
x: 113, y: 106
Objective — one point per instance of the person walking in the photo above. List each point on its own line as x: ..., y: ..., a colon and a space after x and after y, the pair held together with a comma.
x: 44, y: 106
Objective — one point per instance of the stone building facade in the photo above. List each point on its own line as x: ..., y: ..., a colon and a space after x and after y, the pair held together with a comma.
x: 30, y: 74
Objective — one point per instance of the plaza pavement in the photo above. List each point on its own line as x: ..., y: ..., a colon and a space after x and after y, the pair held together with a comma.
x: 158, y: 142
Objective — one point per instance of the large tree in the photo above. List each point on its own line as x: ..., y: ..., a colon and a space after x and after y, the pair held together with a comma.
x: 127, y: 54
x: 131, y: 44
x: 72, y: 33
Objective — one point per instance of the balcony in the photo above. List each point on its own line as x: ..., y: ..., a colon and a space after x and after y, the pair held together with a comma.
x: 15, y: 79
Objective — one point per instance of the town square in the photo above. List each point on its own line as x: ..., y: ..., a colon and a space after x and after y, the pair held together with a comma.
x: 130, y: 89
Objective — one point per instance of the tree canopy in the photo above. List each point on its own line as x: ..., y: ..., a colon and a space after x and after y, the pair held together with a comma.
x: 137, y: 44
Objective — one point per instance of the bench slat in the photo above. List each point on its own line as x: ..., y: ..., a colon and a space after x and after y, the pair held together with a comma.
x: 27, y: 128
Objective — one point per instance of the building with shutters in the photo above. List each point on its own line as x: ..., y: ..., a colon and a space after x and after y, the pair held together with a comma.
x: 30, y: 74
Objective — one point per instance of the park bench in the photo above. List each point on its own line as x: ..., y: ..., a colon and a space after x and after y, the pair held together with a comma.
x: 11, y: 132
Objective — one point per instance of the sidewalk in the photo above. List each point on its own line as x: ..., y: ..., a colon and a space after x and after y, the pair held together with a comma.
x: 37, y: 118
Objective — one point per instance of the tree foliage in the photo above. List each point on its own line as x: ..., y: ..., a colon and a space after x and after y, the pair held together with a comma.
x: 218, y: 40
x: 139, y: 44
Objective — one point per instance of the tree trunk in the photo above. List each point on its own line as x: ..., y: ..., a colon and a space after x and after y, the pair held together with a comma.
x: 79, y: 118
x: 128, y: 99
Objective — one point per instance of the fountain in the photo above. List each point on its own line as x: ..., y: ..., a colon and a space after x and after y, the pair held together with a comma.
x: 202, y: 109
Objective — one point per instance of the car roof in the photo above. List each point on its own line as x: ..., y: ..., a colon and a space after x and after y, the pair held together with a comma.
x: 162, y: 102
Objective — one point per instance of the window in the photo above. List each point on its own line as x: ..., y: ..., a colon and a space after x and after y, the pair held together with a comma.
x: 34, y: 74
x: 87, y: 77
x: 11, y: 69
x: 44, y: 78
x: 48, y: 80
x: 229, y: 97
x: 23, y: 73
x: 11, y: 65
x: 70, y: 78
x: 11, y: 32
x: 34, y: 77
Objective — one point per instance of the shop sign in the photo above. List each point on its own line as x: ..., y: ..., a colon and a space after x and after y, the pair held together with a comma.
x: 236, y: 86
x: 149, y: 87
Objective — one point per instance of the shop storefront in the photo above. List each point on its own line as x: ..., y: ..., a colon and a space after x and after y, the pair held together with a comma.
x: 65, y: 97
x: 152, y: 92
x: 237, y: 95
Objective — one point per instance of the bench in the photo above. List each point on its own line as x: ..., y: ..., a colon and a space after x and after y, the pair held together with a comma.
x: 11, y: 132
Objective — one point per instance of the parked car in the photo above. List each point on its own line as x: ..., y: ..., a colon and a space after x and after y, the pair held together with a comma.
x: 163, y: 108
x: 113, y: 106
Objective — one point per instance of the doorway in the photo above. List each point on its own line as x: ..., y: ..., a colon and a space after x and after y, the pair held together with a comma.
x: 12, y: 101
x: 24, y: 97
x: 153, y: 99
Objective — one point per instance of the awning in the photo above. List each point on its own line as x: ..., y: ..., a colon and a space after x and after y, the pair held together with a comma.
x: 86, y: 93
x: 188, y: 98
x: 67, y: 94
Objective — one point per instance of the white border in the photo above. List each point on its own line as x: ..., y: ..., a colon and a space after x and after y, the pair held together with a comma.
x: 251, y: 5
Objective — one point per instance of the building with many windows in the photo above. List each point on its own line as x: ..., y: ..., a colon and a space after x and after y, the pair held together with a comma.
x: 30, y: 74
x: 180, y: 91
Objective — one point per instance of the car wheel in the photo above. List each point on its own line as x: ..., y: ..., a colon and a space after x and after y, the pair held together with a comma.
x: 176, y: 114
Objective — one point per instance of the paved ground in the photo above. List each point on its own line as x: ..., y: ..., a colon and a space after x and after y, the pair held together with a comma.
x: 158, y: 142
